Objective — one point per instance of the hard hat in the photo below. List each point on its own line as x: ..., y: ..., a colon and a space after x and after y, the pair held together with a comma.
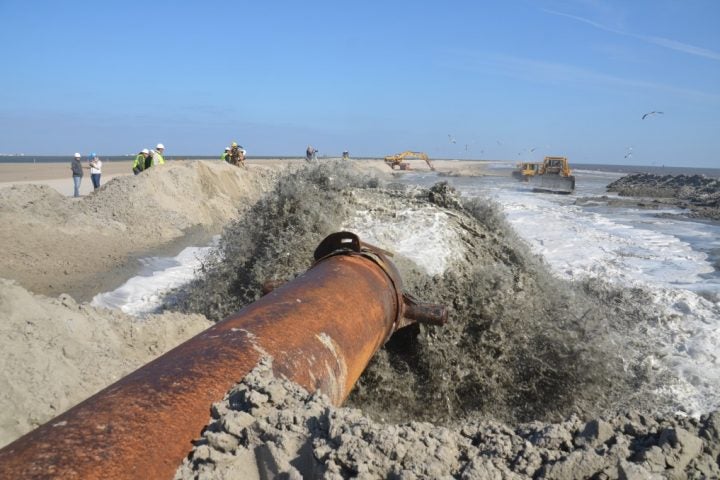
x: 234, y: 144
x: 227, y: 148
x: 160, y: 146
x: 77, y: 155
x: 145, y: 151
x: 92, y: 155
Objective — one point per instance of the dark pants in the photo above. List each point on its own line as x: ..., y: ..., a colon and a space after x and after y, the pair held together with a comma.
x: 96, y: 180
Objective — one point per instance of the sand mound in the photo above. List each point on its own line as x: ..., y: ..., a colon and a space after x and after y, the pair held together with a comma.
x: 55, y: 353
x: 53, y: 244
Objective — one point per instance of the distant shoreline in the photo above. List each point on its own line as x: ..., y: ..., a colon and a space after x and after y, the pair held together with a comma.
x: 615, y: 168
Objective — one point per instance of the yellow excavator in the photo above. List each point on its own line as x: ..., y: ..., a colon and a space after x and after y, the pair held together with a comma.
x: 553, y: 175
x: 398, y: 160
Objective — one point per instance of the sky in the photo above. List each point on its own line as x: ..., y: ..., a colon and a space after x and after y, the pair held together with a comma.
x: 511, y: 80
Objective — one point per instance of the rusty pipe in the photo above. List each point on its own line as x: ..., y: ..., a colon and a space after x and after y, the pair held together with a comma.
x: 321, y: 328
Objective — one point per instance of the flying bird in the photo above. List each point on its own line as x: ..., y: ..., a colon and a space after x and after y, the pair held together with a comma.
x: 651, y: 113
x: 533, y: 149
x: 451, y: 139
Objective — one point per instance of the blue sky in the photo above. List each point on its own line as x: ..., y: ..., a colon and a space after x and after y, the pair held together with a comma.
x: 562, y: 77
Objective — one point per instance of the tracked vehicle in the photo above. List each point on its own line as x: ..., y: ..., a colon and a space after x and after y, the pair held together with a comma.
x: 398, y: 160
x: 554, y: 176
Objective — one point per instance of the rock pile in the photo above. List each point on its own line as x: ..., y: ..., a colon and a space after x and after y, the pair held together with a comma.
x: 696, y: 192
x: 266, y: 427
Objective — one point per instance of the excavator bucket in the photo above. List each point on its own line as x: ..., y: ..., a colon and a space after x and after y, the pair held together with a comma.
x: 552, y: 183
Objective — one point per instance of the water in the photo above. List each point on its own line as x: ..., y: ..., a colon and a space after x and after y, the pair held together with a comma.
x: 144, y: 293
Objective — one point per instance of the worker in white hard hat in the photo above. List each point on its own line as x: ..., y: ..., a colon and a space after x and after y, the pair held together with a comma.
x: 141, y: 160
x: 157, y: 155
x: 77, y: 172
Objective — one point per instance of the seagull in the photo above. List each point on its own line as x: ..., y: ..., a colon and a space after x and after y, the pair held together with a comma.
x: 651, y: 113
x: 533, y: 149
x: 498, y: 142
x: 451, y: 139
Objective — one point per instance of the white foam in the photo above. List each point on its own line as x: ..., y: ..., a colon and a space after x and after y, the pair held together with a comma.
x: 144, y: 293
x: 422, y: 234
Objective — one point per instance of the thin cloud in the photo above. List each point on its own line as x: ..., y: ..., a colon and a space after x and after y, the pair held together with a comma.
x: 659, y: 41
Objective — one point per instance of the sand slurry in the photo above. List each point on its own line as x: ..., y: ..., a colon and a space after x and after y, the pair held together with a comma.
x: 266, y: 427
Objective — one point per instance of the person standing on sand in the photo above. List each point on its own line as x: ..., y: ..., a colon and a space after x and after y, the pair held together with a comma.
x: 141, y: 160
x: 95, y: 170
x: 225, y: 155
x: 77, y: 172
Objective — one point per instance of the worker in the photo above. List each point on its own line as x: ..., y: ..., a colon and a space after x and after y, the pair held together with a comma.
x: 310, y: 153
x: 346, y: 155
x: 225, y: 154
x: 157, y: 155
x: 237, y: 157
x: 77, y: 173
x: 141, y: 160
x: 95, y: 170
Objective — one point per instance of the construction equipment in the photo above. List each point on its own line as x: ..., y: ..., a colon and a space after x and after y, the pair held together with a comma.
x: 398, y: 160
x: 525, y: 170
x: 321, y: 329
x: 554, y: 176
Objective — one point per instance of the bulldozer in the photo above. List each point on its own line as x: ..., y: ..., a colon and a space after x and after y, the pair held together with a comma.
x: 398, y: 160
x: 554, y: 176
x: 525, y: 170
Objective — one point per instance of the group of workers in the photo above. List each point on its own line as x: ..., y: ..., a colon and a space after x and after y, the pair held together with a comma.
x: 148, y: 158
x: 144, y: 160
x: 234, y: 155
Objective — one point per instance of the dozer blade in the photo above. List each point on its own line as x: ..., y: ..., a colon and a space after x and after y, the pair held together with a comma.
x: 552, y: 183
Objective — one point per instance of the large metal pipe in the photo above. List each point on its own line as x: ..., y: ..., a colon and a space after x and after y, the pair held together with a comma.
x: 321, y: 329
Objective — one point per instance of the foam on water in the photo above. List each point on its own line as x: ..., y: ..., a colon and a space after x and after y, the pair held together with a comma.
x: 144, y: 293
x: 421, y: 234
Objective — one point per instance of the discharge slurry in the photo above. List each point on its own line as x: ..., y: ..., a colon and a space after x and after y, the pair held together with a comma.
x: 672, y: 258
